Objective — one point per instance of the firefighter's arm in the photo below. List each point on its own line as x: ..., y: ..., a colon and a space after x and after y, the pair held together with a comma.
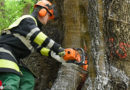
x: 45, y: 42
x: 47, y: 52
x: 38, y: 38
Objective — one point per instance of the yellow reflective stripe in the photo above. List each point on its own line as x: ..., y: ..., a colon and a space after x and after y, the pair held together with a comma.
x: 17, y: 22
x: 40, y: 38
x: 9, y: 64
x: 45, y: 51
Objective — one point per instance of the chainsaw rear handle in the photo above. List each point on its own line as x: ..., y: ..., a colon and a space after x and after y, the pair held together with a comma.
x: 82, y: 62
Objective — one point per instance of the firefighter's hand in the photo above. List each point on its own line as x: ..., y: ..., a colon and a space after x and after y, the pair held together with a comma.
x: 61, y: 52
x: 57, y: 57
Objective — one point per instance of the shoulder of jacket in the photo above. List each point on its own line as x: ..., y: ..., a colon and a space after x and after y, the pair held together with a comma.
x: 28, y: 16
x: 17, y: 22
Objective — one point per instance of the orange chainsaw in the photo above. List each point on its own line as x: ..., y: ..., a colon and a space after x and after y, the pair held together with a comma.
x: 77, y: 56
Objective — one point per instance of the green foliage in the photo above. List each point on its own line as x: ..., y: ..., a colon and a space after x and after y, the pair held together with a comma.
x: 11, y: 10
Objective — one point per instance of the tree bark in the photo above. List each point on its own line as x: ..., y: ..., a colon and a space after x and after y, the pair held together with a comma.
x: 109, y: 24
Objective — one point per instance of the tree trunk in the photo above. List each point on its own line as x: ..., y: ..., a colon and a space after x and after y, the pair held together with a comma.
x: 105, y: 31
x: 69, y: 77
x: 109, y: 29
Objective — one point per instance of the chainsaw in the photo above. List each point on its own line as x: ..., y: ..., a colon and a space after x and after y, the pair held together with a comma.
x: 76, y: 56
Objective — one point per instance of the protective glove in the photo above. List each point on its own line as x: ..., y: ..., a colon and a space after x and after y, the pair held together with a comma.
x: 57, y: 57
x: 61, y: 52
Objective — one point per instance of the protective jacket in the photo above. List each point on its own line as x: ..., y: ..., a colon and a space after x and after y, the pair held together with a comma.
x: 20, y: 40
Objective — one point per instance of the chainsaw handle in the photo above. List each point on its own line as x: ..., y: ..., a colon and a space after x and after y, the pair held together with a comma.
x: 82, y: 62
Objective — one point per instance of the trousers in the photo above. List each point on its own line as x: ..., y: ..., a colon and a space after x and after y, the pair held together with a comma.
x: 12, y: 81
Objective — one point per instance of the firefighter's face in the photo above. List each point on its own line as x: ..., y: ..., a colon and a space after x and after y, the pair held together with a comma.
x: 44, y: 19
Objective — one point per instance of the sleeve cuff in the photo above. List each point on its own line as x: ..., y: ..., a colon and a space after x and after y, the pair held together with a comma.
x: 45, y: 51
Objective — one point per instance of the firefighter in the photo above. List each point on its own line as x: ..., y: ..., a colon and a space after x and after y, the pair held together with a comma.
x: 19, y: 40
